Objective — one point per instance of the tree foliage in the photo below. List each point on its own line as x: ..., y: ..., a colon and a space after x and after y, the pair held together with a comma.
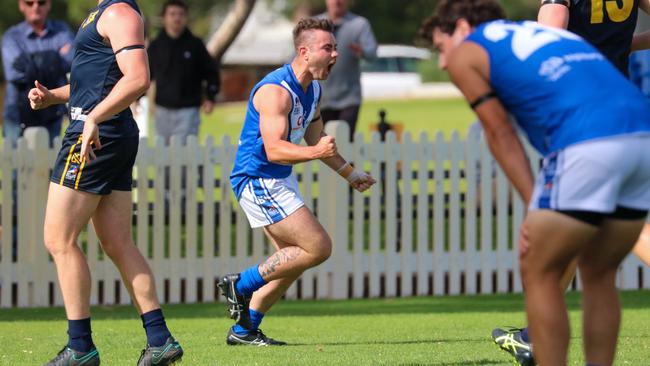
x: 396, y: 21
x: 393, y: 21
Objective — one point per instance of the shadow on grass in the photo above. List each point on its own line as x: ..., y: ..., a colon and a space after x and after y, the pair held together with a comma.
x: 415, y: 305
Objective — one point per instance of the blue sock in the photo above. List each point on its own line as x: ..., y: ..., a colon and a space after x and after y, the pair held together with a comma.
x: 524, y: 335
x: 256, y: 320
x: 79, y: 335
x: 154, y: 324
x: 249, y: 281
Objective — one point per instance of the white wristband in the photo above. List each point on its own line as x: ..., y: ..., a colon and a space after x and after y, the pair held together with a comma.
x: 355, y: 176
x: 342, y: 168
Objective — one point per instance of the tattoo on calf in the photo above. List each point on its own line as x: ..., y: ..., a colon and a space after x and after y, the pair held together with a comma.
x: 280, y: 257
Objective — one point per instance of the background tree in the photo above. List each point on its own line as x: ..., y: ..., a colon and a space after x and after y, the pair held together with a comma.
x: 398, y: 21
x: 393, y: 21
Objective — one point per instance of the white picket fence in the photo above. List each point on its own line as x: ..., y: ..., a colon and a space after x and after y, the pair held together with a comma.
x: 428, y: 227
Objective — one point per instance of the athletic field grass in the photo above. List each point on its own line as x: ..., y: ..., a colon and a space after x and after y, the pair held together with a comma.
x: 416, y: 115
x: 450, y: 331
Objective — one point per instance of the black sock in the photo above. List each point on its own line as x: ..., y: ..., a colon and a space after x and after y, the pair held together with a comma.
x: 79, y: 335
x: 156, y: 328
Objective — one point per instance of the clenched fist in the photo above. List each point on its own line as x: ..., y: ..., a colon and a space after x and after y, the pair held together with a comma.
x: 360, y: 180
x: 326, y: 147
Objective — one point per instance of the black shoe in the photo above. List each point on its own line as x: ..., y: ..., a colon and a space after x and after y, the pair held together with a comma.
x: 69, y: 357
x: 254, y: 338
x: 237, y: 303
x: 165, y: 355
x: 510, y: 341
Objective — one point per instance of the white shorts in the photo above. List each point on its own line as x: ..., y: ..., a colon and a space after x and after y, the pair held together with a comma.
x: 268, y: 200
x: 596, y: 176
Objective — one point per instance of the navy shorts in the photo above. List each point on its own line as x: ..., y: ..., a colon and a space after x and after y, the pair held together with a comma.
x: 111, y: 170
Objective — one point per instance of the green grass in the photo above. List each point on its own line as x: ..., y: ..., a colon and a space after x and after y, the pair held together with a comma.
x: 417, y: 115
x: 416, y: 331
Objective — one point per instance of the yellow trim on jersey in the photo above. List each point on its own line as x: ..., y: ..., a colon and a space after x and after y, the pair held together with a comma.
x: 81, y: 169
x: 90, y: 19
x: 67, y: 163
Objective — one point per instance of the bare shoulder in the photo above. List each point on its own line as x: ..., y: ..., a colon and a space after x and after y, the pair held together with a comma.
x: 469, y: 55
x: 121, y: 11
x: 120, y: 15
x: 272, y: 97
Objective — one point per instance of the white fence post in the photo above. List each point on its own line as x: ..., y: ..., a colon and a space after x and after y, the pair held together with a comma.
x: 7, y: 236
x: 336, y: 194
x: 462, y: 221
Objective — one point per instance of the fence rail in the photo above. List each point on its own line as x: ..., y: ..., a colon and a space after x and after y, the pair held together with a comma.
x: 428, y: 228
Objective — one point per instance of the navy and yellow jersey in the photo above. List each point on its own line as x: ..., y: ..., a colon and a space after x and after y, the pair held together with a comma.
x: 94, y: 74
x: 608, y: 25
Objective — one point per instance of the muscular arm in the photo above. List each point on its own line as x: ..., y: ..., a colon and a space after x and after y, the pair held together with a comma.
x: 554, y: 15
x: 61, y: 95
x: 314, y: 133
x: 274, y: 104
x: 469, y: 70
x: 123, y: 27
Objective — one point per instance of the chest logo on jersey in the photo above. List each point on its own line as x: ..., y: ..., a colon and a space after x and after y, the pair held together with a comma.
x: 90, y: 19
x: 299, y: 123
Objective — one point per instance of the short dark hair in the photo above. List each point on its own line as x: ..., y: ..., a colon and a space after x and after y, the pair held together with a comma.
x: 168, y: 3
x: 448, y: 12
x: 308, y: 24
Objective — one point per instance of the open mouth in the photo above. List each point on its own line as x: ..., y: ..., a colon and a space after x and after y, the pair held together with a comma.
x: 329, y: 67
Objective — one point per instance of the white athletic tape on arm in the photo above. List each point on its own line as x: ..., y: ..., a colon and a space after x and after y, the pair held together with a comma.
x: 355, y: 176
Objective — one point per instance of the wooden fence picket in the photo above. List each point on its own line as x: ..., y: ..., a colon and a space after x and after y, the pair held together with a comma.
x: 441, y: 219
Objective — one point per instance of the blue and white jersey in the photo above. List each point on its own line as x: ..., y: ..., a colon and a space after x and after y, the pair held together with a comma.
x: 560, y: 89
x: 251, y: 160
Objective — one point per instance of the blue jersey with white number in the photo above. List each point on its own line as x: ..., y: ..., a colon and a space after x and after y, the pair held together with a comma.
x: 251, y: 160
x: 560, y: 89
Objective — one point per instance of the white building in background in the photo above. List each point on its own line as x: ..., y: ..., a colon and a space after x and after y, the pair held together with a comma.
x: 266, y: 42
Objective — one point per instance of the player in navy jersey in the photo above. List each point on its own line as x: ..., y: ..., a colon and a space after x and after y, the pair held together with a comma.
x: 92, y: 178
x: 609, y: 26
x: 581, y: 207
x: 282, y: 110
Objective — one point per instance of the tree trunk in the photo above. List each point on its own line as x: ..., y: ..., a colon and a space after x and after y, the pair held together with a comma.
x: 228, y: 31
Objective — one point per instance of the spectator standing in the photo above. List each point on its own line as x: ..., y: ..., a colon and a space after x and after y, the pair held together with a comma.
x: 341, y: 98
x: 186, y: 77
x: 36, y: 49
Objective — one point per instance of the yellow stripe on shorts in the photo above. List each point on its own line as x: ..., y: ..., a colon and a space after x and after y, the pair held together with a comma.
x: 81, y: 169
x: 67, y: 162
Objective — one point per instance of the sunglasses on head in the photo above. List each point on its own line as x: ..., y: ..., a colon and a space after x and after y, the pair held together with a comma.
x: 31, y: 3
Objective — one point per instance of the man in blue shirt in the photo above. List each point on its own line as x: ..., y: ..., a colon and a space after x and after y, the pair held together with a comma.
x: 35, y: 49
x: 592, y: 195
x: 283, y: 110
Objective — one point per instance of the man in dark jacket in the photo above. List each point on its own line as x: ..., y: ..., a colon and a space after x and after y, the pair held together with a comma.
x: 186, y: 76
x: 35, y: 49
